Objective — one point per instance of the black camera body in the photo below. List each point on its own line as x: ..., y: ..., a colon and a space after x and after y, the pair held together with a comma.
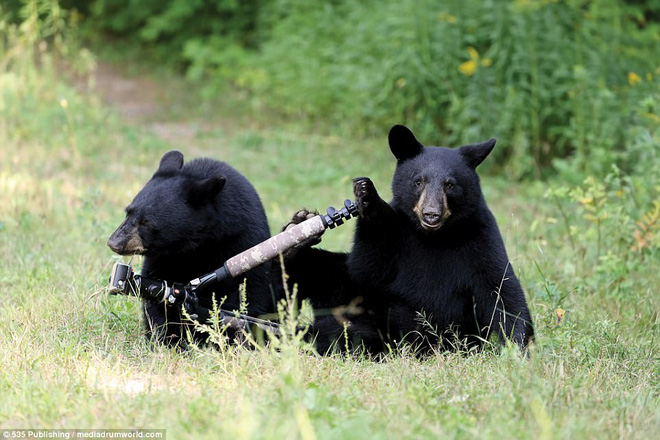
x: 121, y: 278
x: 123, y: 281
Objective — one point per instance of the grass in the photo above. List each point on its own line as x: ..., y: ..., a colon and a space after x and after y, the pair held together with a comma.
x: 72, y: 357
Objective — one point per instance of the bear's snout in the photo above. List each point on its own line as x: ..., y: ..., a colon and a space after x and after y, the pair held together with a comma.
x: 114, y: 244
x: 432, y: 209
x: 126, y: 241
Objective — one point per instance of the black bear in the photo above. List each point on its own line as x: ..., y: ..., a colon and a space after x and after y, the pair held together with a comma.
x: 429, y: 267
x: 186, y: 221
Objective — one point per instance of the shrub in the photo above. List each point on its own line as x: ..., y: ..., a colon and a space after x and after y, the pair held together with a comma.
x: 558, y: 82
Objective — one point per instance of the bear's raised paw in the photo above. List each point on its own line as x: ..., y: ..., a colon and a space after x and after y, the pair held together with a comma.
x: 366, y: 197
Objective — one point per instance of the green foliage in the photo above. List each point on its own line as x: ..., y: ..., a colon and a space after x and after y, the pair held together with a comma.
x: 553, y: 80
x: 614, y: 235
x: 550, y: 79
x: 30, y: 53
x: 558, y: 82
x: 168, y: 28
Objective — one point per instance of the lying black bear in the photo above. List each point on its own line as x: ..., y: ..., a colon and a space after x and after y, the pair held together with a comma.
x: 429, y: 267
x: 186, y: 221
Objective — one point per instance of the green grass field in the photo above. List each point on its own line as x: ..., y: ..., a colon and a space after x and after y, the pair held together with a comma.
x: 72, y: 357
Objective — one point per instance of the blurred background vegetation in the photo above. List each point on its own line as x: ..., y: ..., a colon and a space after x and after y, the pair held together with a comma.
x: 564, y: 85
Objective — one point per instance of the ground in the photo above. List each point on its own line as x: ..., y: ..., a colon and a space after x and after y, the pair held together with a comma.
x: 72, y: 357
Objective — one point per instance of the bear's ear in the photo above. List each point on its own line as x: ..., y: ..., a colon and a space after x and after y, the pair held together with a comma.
x: 476, y: 153
x: 201, y: 191
x: 403, y: 143
x: 171, y: 161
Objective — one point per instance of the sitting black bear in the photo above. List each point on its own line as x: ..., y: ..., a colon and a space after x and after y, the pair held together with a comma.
x: 186, y: 221
x: 429, y: 267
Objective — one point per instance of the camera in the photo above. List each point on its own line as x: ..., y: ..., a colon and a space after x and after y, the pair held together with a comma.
x: 120, y: 279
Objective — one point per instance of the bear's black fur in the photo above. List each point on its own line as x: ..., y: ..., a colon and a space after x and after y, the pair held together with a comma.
x: 429, y: 267
x: 187, y: 221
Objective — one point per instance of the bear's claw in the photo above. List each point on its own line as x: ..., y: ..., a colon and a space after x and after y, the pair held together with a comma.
x: 366, y: 196
x: 299, y: 217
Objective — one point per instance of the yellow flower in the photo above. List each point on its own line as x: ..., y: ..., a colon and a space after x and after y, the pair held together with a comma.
x: 633, y: 78
x: 447, y: 18
x: 468, y: 68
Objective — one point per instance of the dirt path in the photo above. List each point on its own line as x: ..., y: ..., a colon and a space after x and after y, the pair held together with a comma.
x: 140, y: 101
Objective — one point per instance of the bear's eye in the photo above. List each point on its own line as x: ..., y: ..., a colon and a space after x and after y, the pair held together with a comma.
x: 143, y: 222
x: 418, y: 182
x: 449, y: 185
